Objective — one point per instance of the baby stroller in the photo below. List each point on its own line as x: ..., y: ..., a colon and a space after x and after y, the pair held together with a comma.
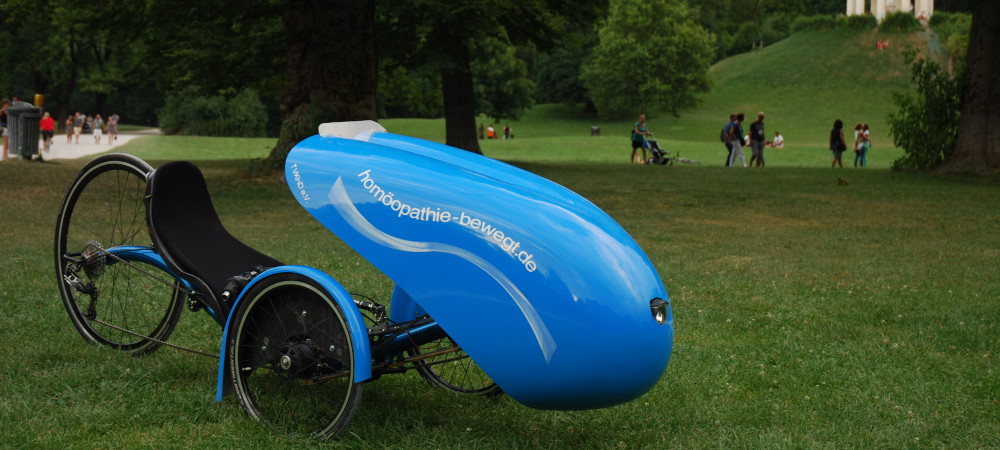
x: 659, y: 156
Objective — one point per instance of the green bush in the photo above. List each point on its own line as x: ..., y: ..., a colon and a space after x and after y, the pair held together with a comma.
x: 817, y: 23
x: 746, y: 38
x: 776, y: 28
x: 947, y: 25
x: 925, y: 126
x: 751, y: 35
x: 226, y: 114
x: 941, y: 17
x: 900, y: 22
x: 860, y: 23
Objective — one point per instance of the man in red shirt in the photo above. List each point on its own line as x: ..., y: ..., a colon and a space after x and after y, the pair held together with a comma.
x: 48, y: 127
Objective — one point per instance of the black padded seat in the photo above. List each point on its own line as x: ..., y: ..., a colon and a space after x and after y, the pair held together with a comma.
x: 187, y: 231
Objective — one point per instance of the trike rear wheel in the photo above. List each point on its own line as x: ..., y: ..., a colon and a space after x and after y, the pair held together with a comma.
x: 291, y: 357
x: 114, y: 303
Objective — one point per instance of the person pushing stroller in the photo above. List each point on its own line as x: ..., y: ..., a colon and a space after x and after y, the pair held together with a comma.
x: 639, y: 133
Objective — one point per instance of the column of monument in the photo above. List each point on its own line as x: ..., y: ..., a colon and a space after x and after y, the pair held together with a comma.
x: 925, y: 8
x: 918, y: 8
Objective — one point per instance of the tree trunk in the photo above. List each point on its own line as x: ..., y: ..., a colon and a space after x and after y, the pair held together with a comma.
x: 977, y: 148
x: 101, y: 103
x: 460, y: 108
x: 457, y: 89
x: 331, y: 69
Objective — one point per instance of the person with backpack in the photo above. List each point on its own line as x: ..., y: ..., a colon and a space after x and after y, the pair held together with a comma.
x: 757, y: 141
x: 724, y: 137
x: 736, y: 140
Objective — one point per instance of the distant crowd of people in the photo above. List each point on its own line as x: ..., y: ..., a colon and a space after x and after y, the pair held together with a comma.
x: 862, y: 144
x: 733, y: 137
x: 735, y: 140
x: 79, y: 123
x: 488, y: 132
x: 75, y: 125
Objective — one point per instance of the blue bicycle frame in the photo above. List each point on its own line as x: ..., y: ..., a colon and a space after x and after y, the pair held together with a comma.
x: 549, y: 295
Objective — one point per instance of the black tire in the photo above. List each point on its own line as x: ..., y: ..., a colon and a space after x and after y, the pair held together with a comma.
x: 461, y: 376
x: 103, y: 208
x: 291, y: 357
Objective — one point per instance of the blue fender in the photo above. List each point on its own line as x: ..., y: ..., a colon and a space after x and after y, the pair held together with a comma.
x: 358, y: 329
x: 546, y: 292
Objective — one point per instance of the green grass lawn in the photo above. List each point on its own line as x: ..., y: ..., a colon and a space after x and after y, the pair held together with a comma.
x: 808, y: 314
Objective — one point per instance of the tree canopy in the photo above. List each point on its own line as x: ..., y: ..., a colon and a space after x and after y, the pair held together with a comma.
x: 301, y: 62
x: 652, y: 56
x: 471, y: 40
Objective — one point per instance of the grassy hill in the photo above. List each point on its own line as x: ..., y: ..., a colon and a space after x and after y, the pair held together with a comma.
x: 802, y: 83
x: 807, y: 81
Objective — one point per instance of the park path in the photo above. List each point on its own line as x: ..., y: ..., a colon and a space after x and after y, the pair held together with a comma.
x: 62, y: 150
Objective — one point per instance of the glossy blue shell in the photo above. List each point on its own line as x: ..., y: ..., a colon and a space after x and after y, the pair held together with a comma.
x: 547, y: 293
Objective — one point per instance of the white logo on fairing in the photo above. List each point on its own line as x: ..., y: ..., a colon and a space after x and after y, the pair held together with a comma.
x: 341, y: 201
x: 299, y: 183
x: 425, y: 214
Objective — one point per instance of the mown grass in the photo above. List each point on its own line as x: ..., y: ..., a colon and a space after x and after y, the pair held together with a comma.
x: 808, y: 314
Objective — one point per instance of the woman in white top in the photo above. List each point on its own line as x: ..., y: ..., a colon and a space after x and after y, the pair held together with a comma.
x: 98, y: 128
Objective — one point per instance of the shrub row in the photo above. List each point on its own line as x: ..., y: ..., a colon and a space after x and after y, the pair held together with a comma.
x: 237, y: 114
x: 895, y: 22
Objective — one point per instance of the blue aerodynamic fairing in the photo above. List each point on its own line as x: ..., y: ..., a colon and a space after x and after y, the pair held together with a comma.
x: 546, y: 292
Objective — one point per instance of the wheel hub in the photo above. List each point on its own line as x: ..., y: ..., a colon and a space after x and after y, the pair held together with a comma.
x: 296, y: 359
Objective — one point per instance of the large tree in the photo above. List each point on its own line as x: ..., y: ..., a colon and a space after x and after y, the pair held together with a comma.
x: 558, y: 70
x: 977, y: 148
x: 68, y: 48
x: 217, y: 46
x: 331, y: 72
x: 652, y: 56
x: 445, y: 34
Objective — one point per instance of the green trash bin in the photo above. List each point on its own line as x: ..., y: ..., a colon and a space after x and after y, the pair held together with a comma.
x: 22, y: 125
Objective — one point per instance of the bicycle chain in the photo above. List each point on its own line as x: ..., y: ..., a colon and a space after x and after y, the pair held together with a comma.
x: 140, y: 335
x: 158, y: 341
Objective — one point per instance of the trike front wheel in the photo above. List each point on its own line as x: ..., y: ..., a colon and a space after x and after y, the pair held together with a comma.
x: 291, y: 357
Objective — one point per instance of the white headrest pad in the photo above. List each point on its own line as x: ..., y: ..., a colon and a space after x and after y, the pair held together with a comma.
x: 359, y: 130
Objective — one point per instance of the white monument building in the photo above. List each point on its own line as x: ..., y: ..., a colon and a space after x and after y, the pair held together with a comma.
x: 922, y: 9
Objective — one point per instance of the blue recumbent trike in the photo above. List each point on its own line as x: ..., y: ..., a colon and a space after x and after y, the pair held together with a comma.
x: 504, y: 280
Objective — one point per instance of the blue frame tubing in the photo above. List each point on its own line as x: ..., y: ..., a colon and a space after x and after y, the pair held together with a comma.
x: 358, y: 329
